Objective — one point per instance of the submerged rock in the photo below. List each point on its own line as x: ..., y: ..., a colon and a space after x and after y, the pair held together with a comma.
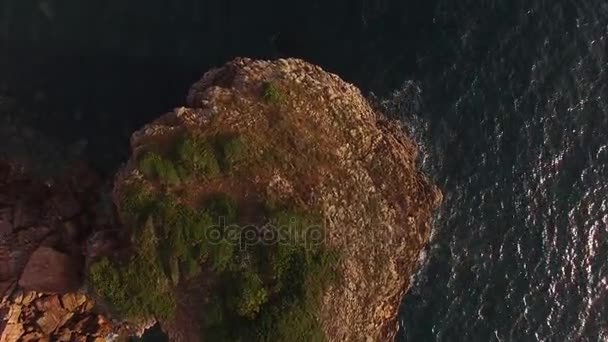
x: 280, y: 143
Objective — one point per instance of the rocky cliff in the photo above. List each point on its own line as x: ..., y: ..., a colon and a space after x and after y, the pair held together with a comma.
x: 276, y: 205
x: 44, y: 227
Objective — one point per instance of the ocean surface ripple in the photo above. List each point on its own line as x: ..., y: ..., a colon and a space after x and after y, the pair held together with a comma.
x: 515, y: 131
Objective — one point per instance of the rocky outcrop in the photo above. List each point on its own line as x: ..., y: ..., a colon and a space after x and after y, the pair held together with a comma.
x: 258, y: 142
x: 33, y: 316
x: 50, y: 271
x: 43, y: 231
x: 319, y: 144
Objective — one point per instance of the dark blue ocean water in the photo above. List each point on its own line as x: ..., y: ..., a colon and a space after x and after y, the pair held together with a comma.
x: 508, y: 100
x: 515, y: 131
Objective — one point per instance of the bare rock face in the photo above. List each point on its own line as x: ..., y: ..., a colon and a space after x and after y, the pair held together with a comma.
x: 38, y: 219
x: 34, y: 316
x: 43, y: 228
x: 325, y: 148
x: 50, y: 271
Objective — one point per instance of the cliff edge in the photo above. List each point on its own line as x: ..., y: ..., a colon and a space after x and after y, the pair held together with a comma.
x: 277, y: 205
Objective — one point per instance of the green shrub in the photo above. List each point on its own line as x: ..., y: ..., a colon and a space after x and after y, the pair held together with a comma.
x: 222, y: 255
x: 271, y: 93
x: 261, y: 292
x: 296, y: 323
x: 137, y: 204
x: 250, y: 295
x: 274, y: 289
x: 233, y: 151
x: 136, y: 288
x: 197, y: 156
x: 295, y: 228
x: 221, y: 206
x: 156, y: 167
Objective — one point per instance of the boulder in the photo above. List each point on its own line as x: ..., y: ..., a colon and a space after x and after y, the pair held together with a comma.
x: 50, y: 271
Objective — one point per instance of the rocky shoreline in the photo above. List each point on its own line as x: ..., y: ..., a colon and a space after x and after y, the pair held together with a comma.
x: 44, y: 227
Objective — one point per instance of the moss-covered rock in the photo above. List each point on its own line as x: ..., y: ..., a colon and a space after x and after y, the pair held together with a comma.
x: 277, y: 206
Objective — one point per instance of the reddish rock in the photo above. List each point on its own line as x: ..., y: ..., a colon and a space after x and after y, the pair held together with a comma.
x: 88, y: 323
x: 72, y: 301
x: 40, y: 256
x: 50, y: 271
x: 32, y: 336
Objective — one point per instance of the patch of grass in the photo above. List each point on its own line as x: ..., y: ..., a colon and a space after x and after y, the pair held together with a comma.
x: 158, y: 168
x: 271, y: 93
x: 137, y: 203
x: 221, y: 206
x: 262, y: 291
x: 137, y: 287
x: 197, y: 156
x: 297, y: 228
x: 250, y: 294
x: 233, y: 152
x: 273, y: 290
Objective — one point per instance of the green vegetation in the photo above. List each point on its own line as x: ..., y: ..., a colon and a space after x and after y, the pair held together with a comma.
x: 271, y: 93
x: 135, y: 288
x: 158, y: 168
x: 272, y: 291
x: 233, y: 151
x: 197, y: 156
x: 261, y: 290
x: 250, y: 294
x: 192, y: 156
x: 171, y: 245
x: 138, y: 202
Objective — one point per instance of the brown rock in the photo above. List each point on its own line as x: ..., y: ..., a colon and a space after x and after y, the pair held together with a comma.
x: 32, y: 336
x: 53, y: 314
x: 32, y: 269
x: 72, y: 301
x: 45, y: 303
x: 88, y: 323
x: 332, y: 153
x: 28, y: 298
x: 13, y: 328
x: 17, y: 296
x: 64, y: 335
x: 79, y: 338
x: 12, y: 332
x: 13, y: 314
x: 50, y: 271
x: 88, y: 306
